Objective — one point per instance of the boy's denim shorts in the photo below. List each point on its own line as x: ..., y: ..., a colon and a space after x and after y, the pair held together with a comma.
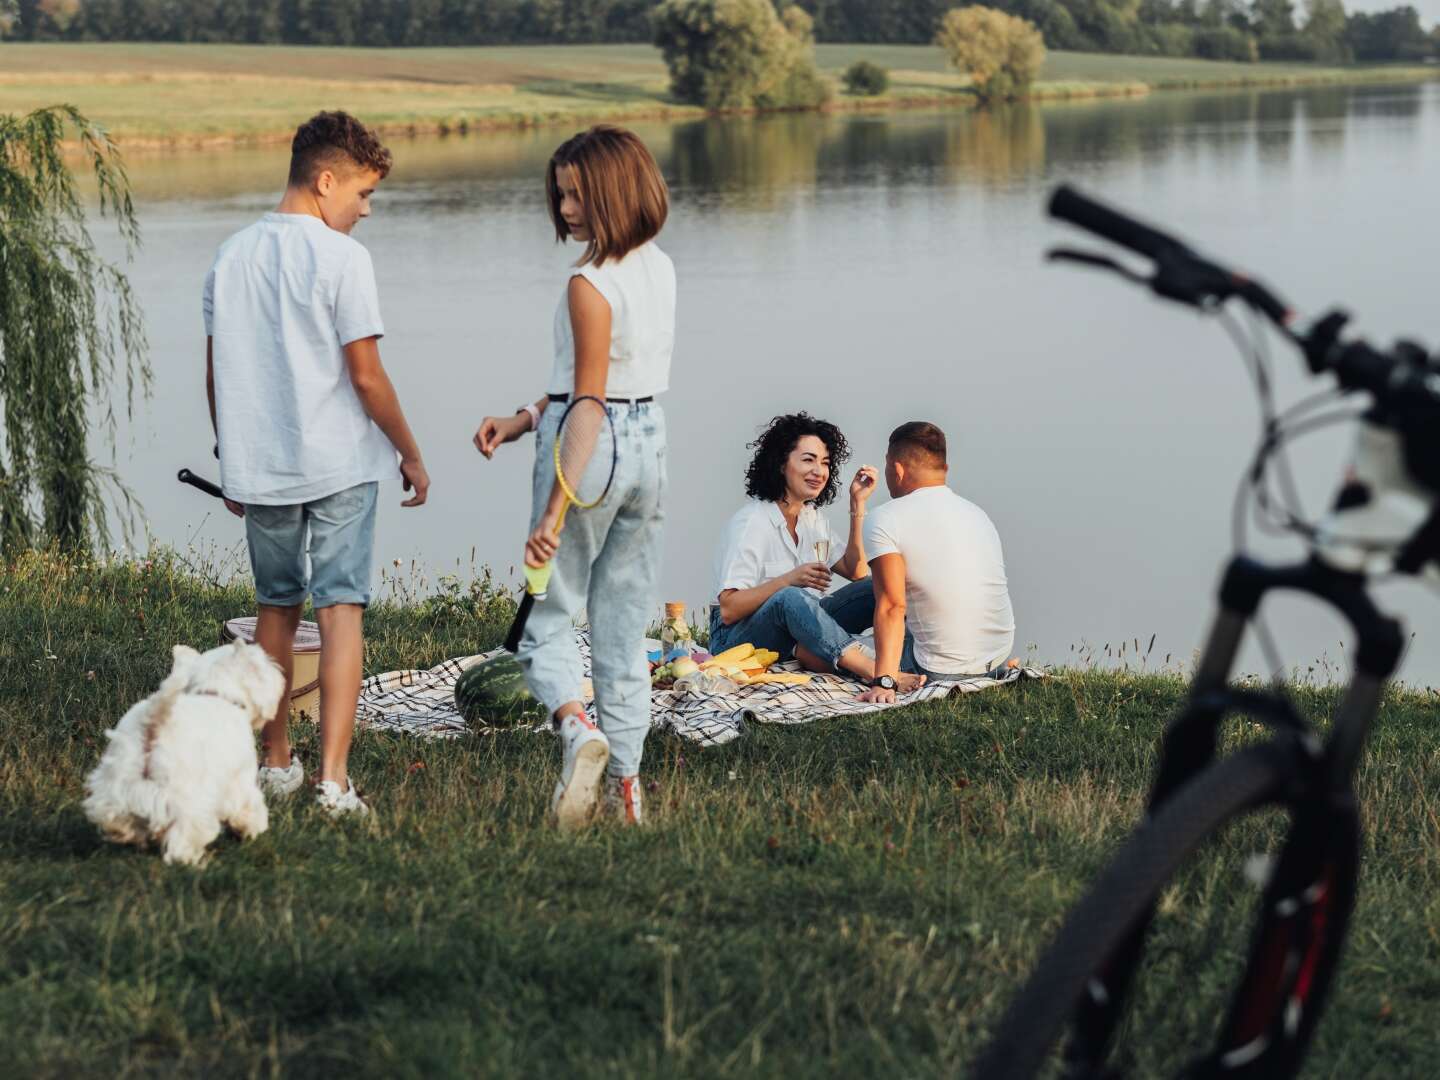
x: 341, y: 548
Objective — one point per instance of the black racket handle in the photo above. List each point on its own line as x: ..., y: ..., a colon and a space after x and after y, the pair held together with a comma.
x: 185, y: 476
x: 517, y: 628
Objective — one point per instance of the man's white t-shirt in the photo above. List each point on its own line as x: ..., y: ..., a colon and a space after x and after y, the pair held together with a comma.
x: 640, y: 289
x: 957, y: 602
x: 281, y: 299
x: 756, y: 545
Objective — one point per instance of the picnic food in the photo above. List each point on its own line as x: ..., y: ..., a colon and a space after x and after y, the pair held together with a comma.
x: 739, y: 652
x: 493, y: 691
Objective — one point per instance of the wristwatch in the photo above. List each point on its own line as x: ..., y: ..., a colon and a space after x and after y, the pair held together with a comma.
x: 882, y: 682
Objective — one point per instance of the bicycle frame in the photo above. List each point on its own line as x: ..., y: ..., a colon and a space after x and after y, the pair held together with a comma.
x: 1314, y: 880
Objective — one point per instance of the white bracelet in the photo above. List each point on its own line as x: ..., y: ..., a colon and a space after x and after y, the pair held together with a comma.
x: 533, y: 413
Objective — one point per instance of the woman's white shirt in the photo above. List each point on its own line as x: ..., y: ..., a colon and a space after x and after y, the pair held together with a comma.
x: 640, y: 289
x: 756, y: 545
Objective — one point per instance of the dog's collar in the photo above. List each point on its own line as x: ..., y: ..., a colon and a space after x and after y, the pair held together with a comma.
x: 242, y: 706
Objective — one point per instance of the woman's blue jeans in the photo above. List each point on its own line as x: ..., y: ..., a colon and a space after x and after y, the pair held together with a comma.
x: 606, y: 564
x: 825, y: 625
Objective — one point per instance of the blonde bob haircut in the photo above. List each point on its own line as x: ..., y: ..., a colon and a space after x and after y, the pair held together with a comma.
x: 620, y: 186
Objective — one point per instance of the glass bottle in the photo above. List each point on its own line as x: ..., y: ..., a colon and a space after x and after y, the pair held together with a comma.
x: 675, y: 637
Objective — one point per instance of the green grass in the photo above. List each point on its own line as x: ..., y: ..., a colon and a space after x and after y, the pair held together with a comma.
x: 856, y: 897
x: 198, y: 94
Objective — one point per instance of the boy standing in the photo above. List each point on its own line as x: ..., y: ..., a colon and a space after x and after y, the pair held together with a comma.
x: 307, y: 423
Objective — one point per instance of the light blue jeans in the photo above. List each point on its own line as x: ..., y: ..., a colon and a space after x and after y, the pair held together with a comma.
x: 607, y: 564
x: 826, y: 625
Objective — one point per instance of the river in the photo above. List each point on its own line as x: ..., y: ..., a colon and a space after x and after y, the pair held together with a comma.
x: 873, y: 269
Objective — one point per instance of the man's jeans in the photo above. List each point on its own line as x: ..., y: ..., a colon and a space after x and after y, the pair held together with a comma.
x: 825, y: 625
x: 607, y: 563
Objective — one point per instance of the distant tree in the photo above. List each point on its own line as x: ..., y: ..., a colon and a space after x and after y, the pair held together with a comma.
x: 865, y: 79
x: 1002, y: 54
x: 1387, y: 35
x: 67, y: 320
x: 1325, y: 26
x: 727, y: 54
x: 1225, y: 43
x: 1272, y: 18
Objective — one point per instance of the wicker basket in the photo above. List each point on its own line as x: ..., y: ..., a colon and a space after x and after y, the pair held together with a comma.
x: 305, y: 683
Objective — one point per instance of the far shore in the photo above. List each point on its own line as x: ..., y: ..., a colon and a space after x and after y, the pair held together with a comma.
x: 163, y: 96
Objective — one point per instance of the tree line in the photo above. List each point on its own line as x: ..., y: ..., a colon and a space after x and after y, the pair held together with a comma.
x: 1320, y: 30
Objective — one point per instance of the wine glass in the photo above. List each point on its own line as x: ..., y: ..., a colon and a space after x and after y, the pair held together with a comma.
x: 822, y: 551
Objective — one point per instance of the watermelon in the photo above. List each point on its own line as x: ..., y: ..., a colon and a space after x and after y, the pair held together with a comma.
x: 493, y: 692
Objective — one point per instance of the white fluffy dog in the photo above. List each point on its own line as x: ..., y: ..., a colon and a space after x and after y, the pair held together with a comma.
x: 182, y: 763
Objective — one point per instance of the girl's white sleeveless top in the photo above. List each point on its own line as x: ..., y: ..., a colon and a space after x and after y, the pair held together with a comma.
x: 640, y: 289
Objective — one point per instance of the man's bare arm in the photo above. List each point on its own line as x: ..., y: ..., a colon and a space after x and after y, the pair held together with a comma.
x: 887, y: 575
x: 380, y: 402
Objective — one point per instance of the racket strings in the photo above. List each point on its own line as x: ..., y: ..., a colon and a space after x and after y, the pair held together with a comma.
x: 585, y: 452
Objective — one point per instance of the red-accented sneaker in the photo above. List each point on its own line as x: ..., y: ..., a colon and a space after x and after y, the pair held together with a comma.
x: 587, y: 752
x: 622, y: 799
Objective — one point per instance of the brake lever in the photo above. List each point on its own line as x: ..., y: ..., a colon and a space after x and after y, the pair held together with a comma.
x: 1102, y: 262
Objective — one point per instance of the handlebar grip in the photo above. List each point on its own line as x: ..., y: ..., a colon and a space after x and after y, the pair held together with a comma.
x: 1067, y: 204
x: 185, y: 476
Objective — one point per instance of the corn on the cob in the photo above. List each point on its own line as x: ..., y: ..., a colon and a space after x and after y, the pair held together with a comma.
x: 739, y: 652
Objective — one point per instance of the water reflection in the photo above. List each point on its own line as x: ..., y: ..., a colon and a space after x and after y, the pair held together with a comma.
x: 749, y: 162
x: 998, y: 145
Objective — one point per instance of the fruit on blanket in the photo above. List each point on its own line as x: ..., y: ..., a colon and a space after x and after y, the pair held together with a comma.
x: 494, y: 692
x: 739, y: 652
x: 683, y: 666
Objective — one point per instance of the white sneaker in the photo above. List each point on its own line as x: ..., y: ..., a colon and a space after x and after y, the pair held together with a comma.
x: 276, y: 781
x: 622, y: 799
x: 586, y: 753
x: 336, y: 802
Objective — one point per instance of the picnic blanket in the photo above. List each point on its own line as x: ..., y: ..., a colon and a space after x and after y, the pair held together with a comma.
x: 423, y: 702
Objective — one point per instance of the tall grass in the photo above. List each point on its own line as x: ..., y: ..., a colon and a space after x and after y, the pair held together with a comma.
x: 849, y: 897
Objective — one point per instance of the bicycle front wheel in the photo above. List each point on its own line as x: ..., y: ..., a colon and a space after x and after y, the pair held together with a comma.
x: 1124, y: 896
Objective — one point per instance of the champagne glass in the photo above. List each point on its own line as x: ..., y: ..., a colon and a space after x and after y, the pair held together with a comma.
x: 822, y: 551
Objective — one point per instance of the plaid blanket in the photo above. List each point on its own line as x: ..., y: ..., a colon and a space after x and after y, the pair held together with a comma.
x: 423, y: 702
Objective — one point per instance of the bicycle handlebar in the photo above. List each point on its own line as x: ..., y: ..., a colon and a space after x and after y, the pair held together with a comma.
x: 1068, y: 204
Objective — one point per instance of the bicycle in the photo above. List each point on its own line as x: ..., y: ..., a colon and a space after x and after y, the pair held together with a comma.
x: 1385, y: 519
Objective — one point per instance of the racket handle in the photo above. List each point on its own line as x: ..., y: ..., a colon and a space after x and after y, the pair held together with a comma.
x: 185, y: 476
x: 517, y: 628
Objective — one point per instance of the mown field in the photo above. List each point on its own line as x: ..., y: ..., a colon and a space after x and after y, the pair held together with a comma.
x: 845, y: 898
x: 161, y: 93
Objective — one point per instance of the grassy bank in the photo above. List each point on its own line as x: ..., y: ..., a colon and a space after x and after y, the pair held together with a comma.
x: 157, y: 94
x: 848, y: 897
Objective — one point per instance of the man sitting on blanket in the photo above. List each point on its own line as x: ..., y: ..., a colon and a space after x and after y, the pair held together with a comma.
x: 937, y: 570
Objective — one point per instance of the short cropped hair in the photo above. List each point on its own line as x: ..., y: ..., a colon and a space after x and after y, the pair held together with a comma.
x: 765, y: 475
x: 625, y: 198
x: 335, y: 141
x: 919, y: 443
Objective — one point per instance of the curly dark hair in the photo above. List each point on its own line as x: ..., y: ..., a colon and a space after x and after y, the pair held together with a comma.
x: 332, y: 140
x: 765, y: 475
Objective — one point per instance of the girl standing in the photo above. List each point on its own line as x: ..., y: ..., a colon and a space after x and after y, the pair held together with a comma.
x: 614, y: 335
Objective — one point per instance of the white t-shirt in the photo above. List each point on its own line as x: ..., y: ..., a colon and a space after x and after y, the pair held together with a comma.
x: 957, y: 603
x: 756, y: 545
x: 281, y: 299
x: 640, y: 289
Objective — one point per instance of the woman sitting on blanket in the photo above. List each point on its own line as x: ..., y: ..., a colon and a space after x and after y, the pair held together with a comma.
x: 773, y: 565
